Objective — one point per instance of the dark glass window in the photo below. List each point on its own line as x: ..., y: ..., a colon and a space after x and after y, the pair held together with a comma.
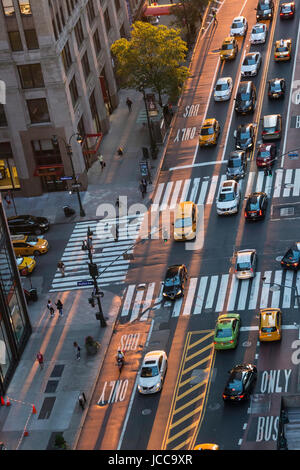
x: 117, y: 5
x: 58, y: 23
x: 31, y: 39
x: 66, y: 57
x: 8, y: 7
x: 38, y: 110
x: 68, y: 7
x: 94, y: 112
x: 45, y: 152
x: 54, y: 30
x: 79, y: 33
x: 97, y: 43
x: 85, y: 65
x: 25, y: 8
x: 3, y: 121
x: 15, y: 40
x: 62, y: 16
x: 31, y: 76
x: 73, y: 90
x: 107, y: 20
x: 90, y: 11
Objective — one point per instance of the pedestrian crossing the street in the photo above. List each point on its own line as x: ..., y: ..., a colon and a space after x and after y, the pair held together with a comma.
x: 107, y: 252
x: 282, y: 183
x: 214, y: 294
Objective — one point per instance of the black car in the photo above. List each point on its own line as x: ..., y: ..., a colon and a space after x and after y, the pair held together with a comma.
x: 175, y: 281
x: 236, y: 165
x: 256, y: 206
x: 276, y: 88
x: 240, y: 382
x: 265, y: 10
x: 244, y: 137
x: 28, y: 224
x: 291, y: 259
x: 245, y: 100
x: 287, y: 10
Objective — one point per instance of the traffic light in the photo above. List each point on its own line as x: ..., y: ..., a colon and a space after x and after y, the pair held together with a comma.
x: 93, y: 270
x: 92, y: 301
x: 165, y: 235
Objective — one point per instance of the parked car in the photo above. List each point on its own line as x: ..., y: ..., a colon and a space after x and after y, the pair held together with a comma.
x: 228, y: 200
x: 25, y: 265
x: 28, y: 224
x: 29, y: 245
x: 259, y: 33
x: 245, y: 264
x: 245, y: 100
x: 236, y: 165
x: 256, y: 206
x: 153, y: 371
x: 174, y: 282
x: 251, y: 64
x: 223, y: 89
x: 240, y: 383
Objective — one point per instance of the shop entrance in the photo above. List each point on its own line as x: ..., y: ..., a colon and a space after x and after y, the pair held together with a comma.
x: 51, y: 183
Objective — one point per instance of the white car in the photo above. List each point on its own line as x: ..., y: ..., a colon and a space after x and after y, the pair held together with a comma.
x: 153, y: 372
x: 223, y: 89
x: 251, y: 64
x: 259, y: 33
x: 228, y: 200
x: 245, y: 264
x: 239, y: 26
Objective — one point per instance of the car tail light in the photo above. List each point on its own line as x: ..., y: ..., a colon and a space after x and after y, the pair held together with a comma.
x: 242, y: 396
x: 231, y: 341
x: 295, y: 264
x: 260, y: 212
x: 245, y: 213
x: 251, y: 269
x: 224, y: 396
x: 215, y: 342
x: 264, y: 132
x: 276, y: 132
x: 282, y: 262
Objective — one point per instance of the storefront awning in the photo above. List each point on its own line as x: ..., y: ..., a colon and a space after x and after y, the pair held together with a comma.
x: 158, y: 10
x: 49, y: 170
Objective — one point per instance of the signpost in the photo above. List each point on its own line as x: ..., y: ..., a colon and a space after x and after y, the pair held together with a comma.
x: 65, y: 178
x: 85, y: 283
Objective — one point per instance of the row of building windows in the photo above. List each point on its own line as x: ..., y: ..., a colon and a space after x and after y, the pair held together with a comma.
x: 16, y: 41
x: 9, y: 7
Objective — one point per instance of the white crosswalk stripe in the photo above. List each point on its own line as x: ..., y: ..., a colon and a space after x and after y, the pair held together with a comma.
x: 107, y: 253
x: 207, y: 295
x: 283, y: 183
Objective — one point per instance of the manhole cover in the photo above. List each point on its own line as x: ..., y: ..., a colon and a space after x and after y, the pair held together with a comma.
x: 214, y: 406
x: 146, y: 412
x: 279, y: 258
x: 286, y: 211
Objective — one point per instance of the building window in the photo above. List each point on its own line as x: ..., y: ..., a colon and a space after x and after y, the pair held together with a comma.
x: 54, y: 30
x: 81, y: 127
x: 73, y: 90
x: 31, y: 76
x: 68, y: 7
x: 97, y: 43
x: 8, y: 7
x: 85, y: 65
x: 90, y: 11
x: 16, y: 319
x: 15, y: 41
x: 38, y: 110
x: 66, y: 57
x: 31, y: 39
x: 9, y: 178
x: 3, y: 121
x: 25, y: 8
x: 58, y: 23
x: 117, y: 5
x: 79, y: 33
x: 107, y: 20
x: 45, y: 152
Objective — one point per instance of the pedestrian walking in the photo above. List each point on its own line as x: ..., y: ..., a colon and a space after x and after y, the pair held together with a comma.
x: 129, y: 104
x: 50, y: 307
x: 77, y: 350
x: 82, y: 400
x: 143, y: 190
x: 215, y: 17
x: 59, y: 306
x: 7, y: 200
x: 102, y: 162
x: 117, y: 203
x: 40, y: 359
x: 61, y: 268
x: 116, y: 233
x: 120, y: 151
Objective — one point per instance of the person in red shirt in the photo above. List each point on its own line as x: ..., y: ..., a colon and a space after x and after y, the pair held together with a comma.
x: 40, y: 359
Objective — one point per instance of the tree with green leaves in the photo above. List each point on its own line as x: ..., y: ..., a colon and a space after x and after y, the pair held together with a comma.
x: 152, y: 58
x: 188, y: 13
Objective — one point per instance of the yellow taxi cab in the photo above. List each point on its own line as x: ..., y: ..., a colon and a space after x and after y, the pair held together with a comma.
x: 185, y: 223
x: 209, y: 132
x: 25, y: 265
x: 283, y: 50
x: 207, y: 446
x: 270, y: 324
x: 29, y: 245
x: 229, y: 48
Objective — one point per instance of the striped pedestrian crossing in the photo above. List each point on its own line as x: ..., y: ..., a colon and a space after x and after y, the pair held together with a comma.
x: 282, y: 183
x: 107, y: 252
x: 215, y: 294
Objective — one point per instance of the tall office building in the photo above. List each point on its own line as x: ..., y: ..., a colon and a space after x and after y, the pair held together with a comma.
x: 59, y: 74
x: 15, y: 326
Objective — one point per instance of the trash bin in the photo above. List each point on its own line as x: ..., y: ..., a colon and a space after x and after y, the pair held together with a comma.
x: 33, y: 295
x: 68, y: 211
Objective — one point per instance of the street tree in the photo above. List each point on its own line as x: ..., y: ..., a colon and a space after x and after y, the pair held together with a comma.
x: 188, y: 13
x: 152, y: 58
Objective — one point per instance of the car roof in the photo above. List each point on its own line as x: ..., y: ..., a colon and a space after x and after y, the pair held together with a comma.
x: 244, y: 254
x: 252, y: 54
x: 275, y: 80
x: 153, y: 356
x: 236, y: 154
x: 271, y: 119
x: 244, y: 85
x: 227, y: 185
x: 223, y: 79
x: 184, y: 209
x: 268, y: 316
x: 238, y: 19
x: 228, y: 40
x: 209, y: 122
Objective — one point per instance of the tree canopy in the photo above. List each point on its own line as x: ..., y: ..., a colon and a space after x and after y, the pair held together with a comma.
x: 152, y: 58
x: 188, y: 13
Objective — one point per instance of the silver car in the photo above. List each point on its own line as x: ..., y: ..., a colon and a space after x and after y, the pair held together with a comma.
x: 258, y: 34
x: 223, y: 89
x: 251, y: 64
x: 153, y: 372
x: 245, y: 264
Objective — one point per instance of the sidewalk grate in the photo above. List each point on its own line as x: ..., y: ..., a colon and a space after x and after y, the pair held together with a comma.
x: 46, y: 409
x: 57, y: 370
x: 51, y: 386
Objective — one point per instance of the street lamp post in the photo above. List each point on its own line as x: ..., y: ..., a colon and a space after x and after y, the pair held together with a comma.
x: 275, y: 287
x: 70, y: 155
x: 152, y: 142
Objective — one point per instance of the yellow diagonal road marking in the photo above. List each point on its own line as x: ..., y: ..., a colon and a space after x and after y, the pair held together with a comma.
x: 207, y: 358
x: 188, y: 428
x: 186, y: 405
x: 190, y: 390
x: 185, y: 417
x: 197, y: 353
x: 192, y: 345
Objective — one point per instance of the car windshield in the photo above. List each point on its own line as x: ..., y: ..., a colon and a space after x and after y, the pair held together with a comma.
x: 250, y: 60
x: 227, y: 47
x: 263, y: 153
x: 149, y: 371
x: 275, y: 86
x: 292, y: 254
x: 180, y: 223
x: 221, y: 86
x: 286, y: 8
x: 224, y: 333
x: 171, y: 281
x: 237, y: 25
x: 20, y: 261
x: 257, y: 29
x: 207, y: 130
x: 243, y: 266
x: 281, y: 49
x: 264, y: 6
x: 234, y: 163
x: 224, y: 197
x: 270, y: 129
x: 270, y: 329
x: 245, y: 96
x: 235, y: 383
x: 253, y: 204
x: 244, y: 135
